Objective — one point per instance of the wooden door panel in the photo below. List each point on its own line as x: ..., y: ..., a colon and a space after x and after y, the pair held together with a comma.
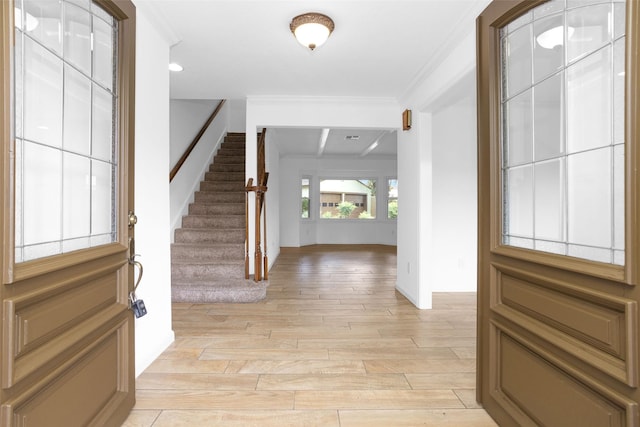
x: 44, y: 328
x: 598, y: 328
x: 74, y: 395
x: 569, y: 398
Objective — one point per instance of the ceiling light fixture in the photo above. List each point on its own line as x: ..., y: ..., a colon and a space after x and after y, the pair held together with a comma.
x: 554, y: 37
x: 175, y: 67
x: 312, y: 29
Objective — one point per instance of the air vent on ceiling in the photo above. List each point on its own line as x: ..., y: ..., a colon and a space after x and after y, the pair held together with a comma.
x: 352, y: 137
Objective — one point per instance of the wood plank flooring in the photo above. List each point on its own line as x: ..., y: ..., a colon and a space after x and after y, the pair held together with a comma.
x: 333, y: 344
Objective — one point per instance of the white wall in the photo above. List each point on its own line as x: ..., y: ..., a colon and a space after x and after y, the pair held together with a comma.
x: 238, y: 115
x: 454, y: 192
x: 187, y: 118
x: 272, y: 165
x: 187, y: 181
x: 296, y: 231
x: 153, y: 331
x: 414, y: 260
x: 428, y: 154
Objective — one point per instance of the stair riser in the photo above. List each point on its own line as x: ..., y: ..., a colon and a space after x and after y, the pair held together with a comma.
x: 185, y: 235
x: 229, y: 160
x: 185, y: 272
x: 219, y: 167
x: 224, y: 176
x: 235, y: 139
x: 221, y: 186
x: 217, y: 209
x: 229, y: 252
x: 231, y: 152
x: 220, y: 222
x: 219, y: 197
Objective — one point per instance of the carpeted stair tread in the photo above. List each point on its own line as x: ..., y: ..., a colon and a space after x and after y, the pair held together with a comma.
x: 227, y: 291
x: 216, y: 209
x: 209, y: 235
x: 219, y: 197
x: 211, y: 221
x: 207, y: 252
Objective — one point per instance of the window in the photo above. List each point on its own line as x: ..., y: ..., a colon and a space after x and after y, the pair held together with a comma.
x: 562, y: 130
x: 305, y: 200
x: 348, y: 198
x: 392, y: 198
x: 65, y: 145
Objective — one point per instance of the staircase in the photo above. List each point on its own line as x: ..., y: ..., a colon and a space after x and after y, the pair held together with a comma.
x: 207, y: 258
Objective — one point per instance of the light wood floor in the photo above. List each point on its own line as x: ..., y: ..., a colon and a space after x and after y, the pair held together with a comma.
x: 332, y: 345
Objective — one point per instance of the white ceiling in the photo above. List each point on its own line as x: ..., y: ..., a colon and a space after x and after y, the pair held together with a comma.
x: 232, y: 49
x: 339, y: 142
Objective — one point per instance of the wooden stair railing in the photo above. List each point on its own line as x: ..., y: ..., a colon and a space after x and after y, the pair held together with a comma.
x: 261, y: 261
x: 195, y: 141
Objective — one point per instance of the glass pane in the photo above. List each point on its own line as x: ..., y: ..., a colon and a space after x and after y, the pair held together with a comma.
x: 43, y: 22
x: 103, y: 70
x: 588, y: 29
x: 77, y: 196
x: 304, y: 209
x: 347, y: 198
x: 19, y: 189
x: 519, y: 22
x: 519, y: 193
x: 552, y: 247
x: 589, y: 102
x: 65, y: 169
x: 590, y: 198
x: 102, y: 207
x: 619, y: 15
x: 518, y: 114
x: 42, y: 193
x: 82, y: 3
x: 589, y: 252
x: 618, y: 91
x: 75, y: 244
x: 517, y: 61
x: 103, y: 14
x: 392, y: 199
x: 548, y: 118
x: 40, y: 250
x: 549, y: 200
x: 548, y: 8
x: 42, y: 95
x: 77, y: 112
x: 618, y: 197
x: 102, y: 133
x: 77, y: 37
x: 519, y: 242
x: 548, y: 52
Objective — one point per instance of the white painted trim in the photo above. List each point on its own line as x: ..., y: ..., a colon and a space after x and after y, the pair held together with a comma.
x: 161, y: 344
x: 160, y: 23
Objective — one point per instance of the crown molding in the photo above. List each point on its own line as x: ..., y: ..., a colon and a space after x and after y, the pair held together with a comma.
x: 159, y: 21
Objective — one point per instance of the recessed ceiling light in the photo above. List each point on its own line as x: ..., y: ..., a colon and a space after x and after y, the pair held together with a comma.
x: 175, y: 67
